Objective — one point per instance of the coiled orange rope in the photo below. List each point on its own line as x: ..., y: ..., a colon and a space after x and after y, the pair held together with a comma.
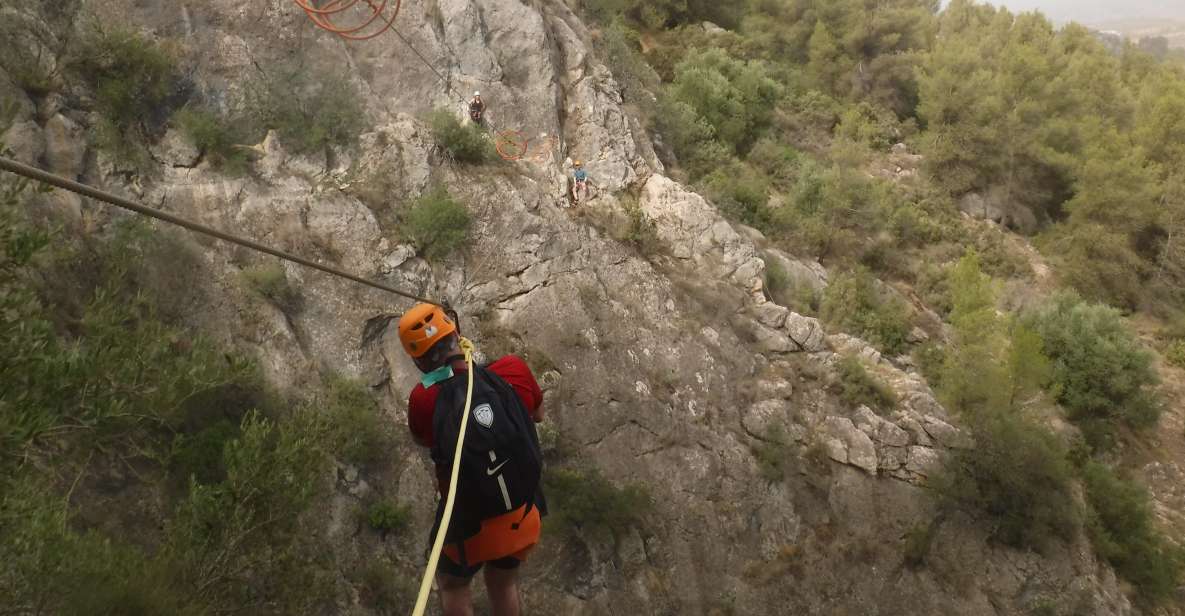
x: 369, y: 21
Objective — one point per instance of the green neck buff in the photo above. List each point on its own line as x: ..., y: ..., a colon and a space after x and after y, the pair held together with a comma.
x: 442, y: 373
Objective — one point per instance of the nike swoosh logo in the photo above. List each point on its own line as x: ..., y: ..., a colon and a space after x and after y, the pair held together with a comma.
x: 491, y: 471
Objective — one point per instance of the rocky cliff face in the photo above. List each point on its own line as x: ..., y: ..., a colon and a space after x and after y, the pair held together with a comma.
x: 665, y: 369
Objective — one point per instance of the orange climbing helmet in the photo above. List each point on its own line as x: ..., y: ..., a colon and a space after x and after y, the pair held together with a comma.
x: 422, y: 327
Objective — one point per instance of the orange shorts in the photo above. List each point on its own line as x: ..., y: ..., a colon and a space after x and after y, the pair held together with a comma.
x: 508, y: 536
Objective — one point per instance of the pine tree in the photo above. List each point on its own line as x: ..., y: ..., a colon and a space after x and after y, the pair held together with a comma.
x: 974, y: 377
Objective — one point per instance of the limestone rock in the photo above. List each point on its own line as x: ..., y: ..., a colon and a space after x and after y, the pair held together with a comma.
x: 26, y: 141
x: 974, y: 204
x: 694, y: 231
x: 806, y: 332
x: 176, y: 150
x: 855, y: 347
x: 923, y: 461
x: 771, y: 314
x: 944, y: 434
x: 712, y: 28
x: 849, y: 445
x: 772, y: 340
x: 758, y: 419
x: 882, y: 431
x: 802, y: 273
x: 65, y: 146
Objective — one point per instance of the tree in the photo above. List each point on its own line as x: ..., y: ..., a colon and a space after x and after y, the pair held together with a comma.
x: 974, y: 376
x: 734, y: 97
x: 1029, y: 370
x: 826, y: 65
x: 1101, y: 374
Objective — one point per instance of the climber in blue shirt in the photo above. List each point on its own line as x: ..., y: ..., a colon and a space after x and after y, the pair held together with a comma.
x: 581, y: 182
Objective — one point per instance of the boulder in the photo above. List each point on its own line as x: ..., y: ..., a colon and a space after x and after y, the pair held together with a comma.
x: 977, y: 206
x: 26, y: 141
x: 802, y: 273
x: 806, y: 332
x: 712, y: 28
x: 770, y: 314
x: 176, y: 150
x: 923, y: 461
x: 65, y: 146
x: 854, y: 347
x: 847, y: 444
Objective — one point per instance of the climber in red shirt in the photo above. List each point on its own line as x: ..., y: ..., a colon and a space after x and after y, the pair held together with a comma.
x: 431, y: 338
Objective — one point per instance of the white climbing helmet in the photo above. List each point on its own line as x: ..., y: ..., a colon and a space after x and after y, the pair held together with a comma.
x: 477, y: 93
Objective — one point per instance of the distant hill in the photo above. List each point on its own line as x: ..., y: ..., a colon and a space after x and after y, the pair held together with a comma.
x: 1098, y: 12
x: 1172, y: 30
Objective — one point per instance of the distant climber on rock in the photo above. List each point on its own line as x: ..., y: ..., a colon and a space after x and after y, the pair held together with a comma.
x: 579, y: 182
x: 477, y: 108
x: 499, y: 504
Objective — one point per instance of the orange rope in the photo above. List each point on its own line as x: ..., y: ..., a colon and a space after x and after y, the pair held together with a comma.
x: 323, y: 17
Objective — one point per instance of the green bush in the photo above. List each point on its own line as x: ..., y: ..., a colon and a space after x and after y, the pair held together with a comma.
x: 1044, y: 607
x: 620, y: 46
x: 465, y: 143
x: 217, y: 137
x: 198, y: 456
x: 931, y: 357
x: 107, y: 395
x: 585, y: 503
x: 251, y: 523
x: 360, y: 433
x: 1120, y: 522
x: 1175, y: 353
x: 382, y: 589
x: 776, y: 160
x: 309, y: 110
x: 734, y: 97
x: 690, y: 137
x: 133, y: 79
x: 1017, y: 477
x: 1102, y: 373
x: 640, y: 231
x: 777, y: 280
x: 868, y: 126
x: 740, y: 193
x: 773, y: 453
x: 24, y: 55
x: 858, y: 388
x: 271, y: 282
x: 853, y: 303
x: 832, y: 209
x: 782, y: 289
x: 437, y: 224
x: 387, y: 517
x: 917, y: 544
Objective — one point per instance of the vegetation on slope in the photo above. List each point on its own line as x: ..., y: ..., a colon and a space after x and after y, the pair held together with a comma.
x: 785, y: 121
x: 143, y: 468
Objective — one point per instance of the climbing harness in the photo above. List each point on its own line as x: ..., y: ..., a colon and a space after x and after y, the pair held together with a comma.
x: 450, y: 499
x: 33, y: 173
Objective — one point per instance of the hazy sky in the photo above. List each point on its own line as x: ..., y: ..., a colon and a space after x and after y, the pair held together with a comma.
x: 1093, y: 11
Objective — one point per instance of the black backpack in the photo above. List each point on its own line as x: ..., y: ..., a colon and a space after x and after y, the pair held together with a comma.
x: 501, y: 463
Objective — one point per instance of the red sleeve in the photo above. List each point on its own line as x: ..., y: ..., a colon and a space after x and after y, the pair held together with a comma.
x: 421, y: 404
x: 514, y: 370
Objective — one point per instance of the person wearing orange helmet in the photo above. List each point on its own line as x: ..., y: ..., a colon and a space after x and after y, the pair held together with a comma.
x: 507, y: 402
